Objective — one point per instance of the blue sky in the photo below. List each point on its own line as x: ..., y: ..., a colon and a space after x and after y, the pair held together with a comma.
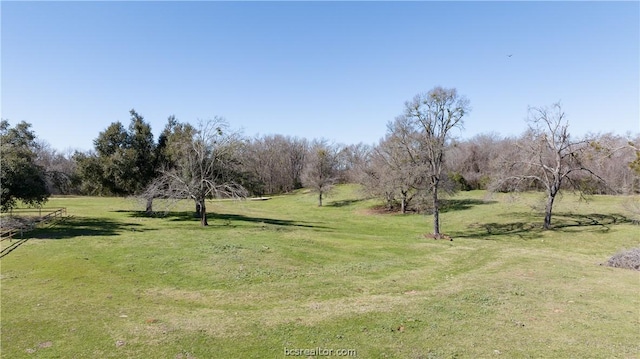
x: 336, y: 70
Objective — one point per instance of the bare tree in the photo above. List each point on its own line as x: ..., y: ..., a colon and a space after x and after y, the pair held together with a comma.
x: 433, y: 116
x: 274, y: 163
x: 617, y: 161
x: 635, y: 164
x: 548, y: 157
x: 373, y: 177
x: 320, y: 172
x: 59, y: 168
x: 470, y: 161
x: 204, y: 165
x: 395, y: 169
x: 354, y: 160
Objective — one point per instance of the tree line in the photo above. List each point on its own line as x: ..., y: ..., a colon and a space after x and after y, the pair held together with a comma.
x: 419, y: 158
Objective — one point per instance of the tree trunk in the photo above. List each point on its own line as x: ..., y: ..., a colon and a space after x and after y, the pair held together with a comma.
x: 436, y: 212
x: 149, y: 209
x: 548, y: 208
x: 403, y: 204
x: 320, y: 199
x: 203, y: 214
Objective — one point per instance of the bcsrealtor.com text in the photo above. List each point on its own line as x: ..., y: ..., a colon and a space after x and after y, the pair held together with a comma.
x: 319, y: 352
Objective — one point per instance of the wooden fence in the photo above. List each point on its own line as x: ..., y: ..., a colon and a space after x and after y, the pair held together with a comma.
x: 51, y: 214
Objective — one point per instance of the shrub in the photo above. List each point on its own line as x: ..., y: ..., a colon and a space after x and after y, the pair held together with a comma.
x: 460, y: 182
x: 627, y: 259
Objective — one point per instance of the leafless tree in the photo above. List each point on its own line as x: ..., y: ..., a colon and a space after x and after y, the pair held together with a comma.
x: 396, y: 172
x: 635, y: 164
x: 320, y: 172
x: 547, y: 156
x: 59, y: 168
x: 275, y: 163
x: 432, y: 116
x: 470, y: 161
x: 354, y: 160
x: 372, y: 176
x: 205, y: 165
x: 616, y: 160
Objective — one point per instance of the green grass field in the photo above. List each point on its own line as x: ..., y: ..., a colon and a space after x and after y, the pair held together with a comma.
x: 269, y: 277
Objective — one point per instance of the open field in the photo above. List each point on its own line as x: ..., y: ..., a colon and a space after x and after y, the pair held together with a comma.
x: 267, y: 277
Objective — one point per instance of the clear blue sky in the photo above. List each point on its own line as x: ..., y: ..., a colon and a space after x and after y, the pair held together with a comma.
x: 338, y: 70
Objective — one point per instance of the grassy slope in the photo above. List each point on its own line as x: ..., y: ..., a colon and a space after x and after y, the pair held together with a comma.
x: 283, y: 273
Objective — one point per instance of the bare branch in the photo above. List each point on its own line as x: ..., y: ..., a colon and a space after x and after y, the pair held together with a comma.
x: 205, y: 166
x: 548, y: 156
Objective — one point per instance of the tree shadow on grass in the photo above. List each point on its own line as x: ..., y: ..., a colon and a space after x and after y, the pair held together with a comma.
x: 226, y: 219
x: 171, y: 215
x: 448, y: 205
x: 344, y: 203
x: 271, y: 221
x: 566, y: 221
x: 70, y: 227
x: 493, y: 230
x: 531, y: 227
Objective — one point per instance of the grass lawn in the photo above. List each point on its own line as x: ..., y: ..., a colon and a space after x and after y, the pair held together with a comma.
x: 272, y: 277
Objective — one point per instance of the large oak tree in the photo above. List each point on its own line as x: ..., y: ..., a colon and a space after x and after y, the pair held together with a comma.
x: 21, y: 178
x: 124, y: 161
